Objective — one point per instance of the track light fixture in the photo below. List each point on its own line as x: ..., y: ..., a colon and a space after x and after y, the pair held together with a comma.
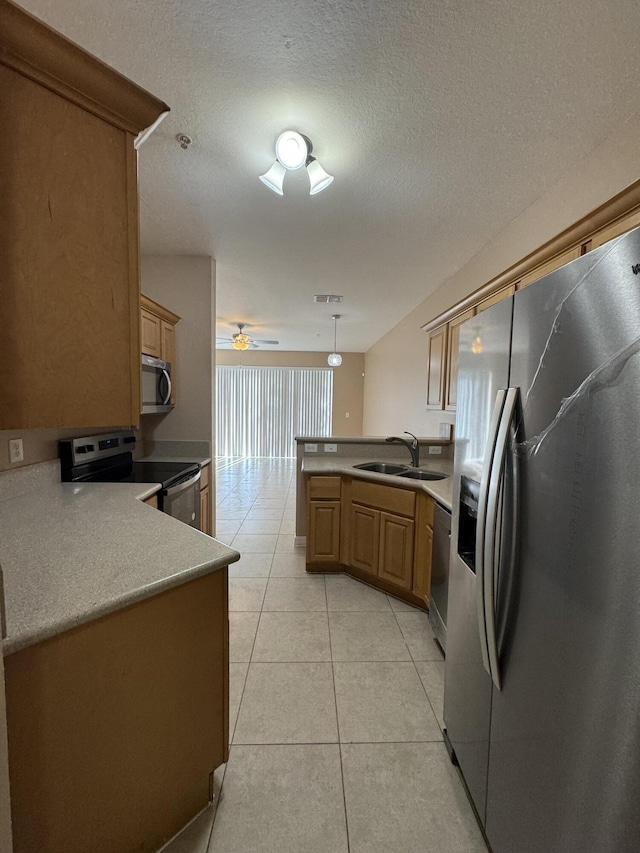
x: 293, y: 150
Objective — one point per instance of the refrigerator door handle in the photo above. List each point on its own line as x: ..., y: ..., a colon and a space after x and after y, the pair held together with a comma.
x: 496, y: 481
x: 485, y: 481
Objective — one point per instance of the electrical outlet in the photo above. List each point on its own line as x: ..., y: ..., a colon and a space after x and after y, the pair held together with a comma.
x: 435, y: 450
x: 346, y: 414
x: 16, y: 453
x: 311, y: 448
x: 331, y: 448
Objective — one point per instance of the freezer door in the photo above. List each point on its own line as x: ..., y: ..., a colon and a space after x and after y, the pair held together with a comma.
x: 564, y: 765
x: 482, y: 373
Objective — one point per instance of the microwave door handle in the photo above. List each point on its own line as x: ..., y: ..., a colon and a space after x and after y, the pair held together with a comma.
x: 182, y: 487
x: 168, y: 395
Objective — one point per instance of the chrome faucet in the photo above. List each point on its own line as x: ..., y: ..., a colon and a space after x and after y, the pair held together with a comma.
x: 412, y: 446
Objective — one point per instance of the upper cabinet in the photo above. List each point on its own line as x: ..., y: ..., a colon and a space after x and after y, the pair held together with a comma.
x: 158, y: 335
x: 436, y: 368
x: 551, y: 265
x: 68, y: 232
x: 442, y: 363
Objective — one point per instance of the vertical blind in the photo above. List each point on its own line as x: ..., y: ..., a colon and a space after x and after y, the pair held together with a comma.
x: 261, y: 409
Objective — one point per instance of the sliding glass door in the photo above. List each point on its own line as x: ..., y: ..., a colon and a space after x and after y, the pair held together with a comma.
x: 261, y: 409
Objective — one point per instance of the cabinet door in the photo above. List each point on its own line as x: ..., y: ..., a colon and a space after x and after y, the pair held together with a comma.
x: 396, y: 549
x: 436, y: 367
x: 205, y: 511
x: 365, y: 536
x: 422, y: 574
x: 453, y: 343
x: 68, y: 244
x: 323, y: 537
x: 151, y: 333
x: 168, y: 349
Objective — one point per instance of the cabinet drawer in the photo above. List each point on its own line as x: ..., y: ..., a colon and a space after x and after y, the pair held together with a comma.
x: 324, y: 488
x: 400, y: 501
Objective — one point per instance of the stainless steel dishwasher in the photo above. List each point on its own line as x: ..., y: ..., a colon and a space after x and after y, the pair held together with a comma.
x: 440, y: 574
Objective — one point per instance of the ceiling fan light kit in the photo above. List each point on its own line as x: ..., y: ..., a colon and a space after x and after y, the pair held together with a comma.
x: 241, y: 342
x: 293, y: 150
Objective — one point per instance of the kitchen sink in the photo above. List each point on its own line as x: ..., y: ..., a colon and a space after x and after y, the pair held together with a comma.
x: 417, y: 474
x: 382, y: 467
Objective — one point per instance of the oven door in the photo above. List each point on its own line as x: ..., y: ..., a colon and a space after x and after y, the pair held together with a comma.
x: 182, y: 501
x: 155, y: 386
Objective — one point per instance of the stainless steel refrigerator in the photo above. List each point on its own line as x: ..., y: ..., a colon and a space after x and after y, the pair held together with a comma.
x: 542, y: 690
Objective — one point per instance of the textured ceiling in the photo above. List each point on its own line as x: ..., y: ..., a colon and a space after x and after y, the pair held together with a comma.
x: 441, y: 122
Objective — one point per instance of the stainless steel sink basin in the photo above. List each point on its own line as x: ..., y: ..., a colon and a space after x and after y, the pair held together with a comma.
x: 417, y: 474
x: 381, y: 467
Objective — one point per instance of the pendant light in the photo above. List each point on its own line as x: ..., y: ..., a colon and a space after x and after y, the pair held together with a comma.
x: 335, y: 359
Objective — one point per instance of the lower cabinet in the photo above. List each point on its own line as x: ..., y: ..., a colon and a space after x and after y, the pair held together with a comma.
x: 382, y: 532
x: 364, y: 538
x: 323, y: 532
x: 323, y: 519
x: 396, y: 549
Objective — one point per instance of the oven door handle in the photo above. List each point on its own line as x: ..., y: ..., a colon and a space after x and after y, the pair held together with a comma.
x: 182, y: 487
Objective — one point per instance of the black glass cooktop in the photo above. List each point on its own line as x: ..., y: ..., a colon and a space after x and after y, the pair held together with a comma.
x: 166, y: 473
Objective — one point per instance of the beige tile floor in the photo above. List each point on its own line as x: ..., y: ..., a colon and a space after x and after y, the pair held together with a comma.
x: 335, y: 702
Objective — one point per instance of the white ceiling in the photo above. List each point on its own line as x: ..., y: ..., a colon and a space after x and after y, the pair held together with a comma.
x: 440, y: 120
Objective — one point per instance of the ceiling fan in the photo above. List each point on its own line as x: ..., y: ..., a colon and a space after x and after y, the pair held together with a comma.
x: 240, y: 341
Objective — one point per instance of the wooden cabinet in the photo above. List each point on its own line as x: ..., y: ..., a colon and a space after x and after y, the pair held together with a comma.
x: 551, y: 265
x: 323, y: 520
x: 621, y: 226
x: 323, y: 532
x: 396, y: 549
x: 152, y: 501
x: 364, y: 531
x: 496, y: 297
x: 378, y: 533
x: 125, y: 711
x: 453, y: 345
x: 424, y: 547
x: 158, y: 335
x: 68, y: 232
x: 382, y: 532
x: 436, y: 368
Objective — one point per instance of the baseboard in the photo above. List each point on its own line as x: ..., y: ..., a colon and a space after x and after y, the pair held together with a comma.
x: 300, y: 542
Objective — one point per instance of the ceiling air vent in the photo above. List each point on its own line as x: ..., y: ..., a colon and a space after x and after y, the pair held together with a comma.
x: 327, y: 298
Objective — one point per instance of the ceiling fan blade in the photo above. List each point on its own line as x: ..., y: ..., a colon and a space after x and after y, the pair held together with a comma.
x: 257, y: 341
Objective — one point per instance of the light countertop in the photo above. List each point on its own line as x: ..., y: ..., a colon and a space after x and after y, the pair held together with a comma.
x: 72, y: 552
x: 440, y: 490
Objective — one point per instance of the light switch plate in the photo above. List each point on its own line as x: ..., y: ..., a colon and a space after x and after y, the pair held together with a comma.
x: 435, y: 450
x: 311, y: 448
x: 331, y: 448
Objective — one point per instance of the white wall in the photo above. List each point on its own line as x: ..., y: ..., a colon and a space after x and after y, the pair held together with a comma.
x: 186, y: 285
x: 396, y: 366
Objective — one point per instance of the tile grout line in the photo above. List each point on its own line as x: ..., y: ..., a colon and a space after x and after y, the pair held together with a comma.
x: 414, y: 662
x: 335, y: 699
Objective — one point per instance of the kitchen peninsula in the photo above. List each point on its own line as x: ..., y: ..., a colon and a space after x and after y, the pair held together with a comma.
x: 116, y: 664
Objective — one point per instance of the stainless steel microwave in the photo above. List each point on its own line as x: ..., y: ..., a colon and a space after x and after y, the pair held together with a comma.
x: 155, y: 386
